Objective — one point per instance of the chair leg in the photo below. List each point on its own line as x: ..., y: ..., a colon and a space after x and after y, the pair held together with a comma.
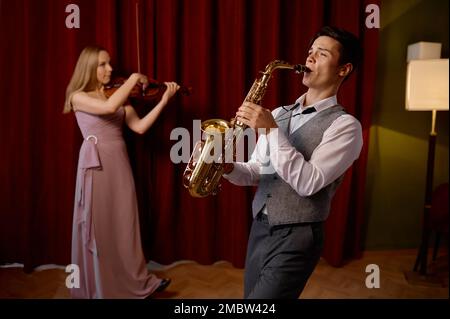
x: 436, y: 245
x: 422, y: 256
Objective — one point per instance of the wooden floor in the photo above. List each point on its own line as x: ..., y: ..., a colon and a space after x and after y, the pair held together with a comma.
x: 221, y: 280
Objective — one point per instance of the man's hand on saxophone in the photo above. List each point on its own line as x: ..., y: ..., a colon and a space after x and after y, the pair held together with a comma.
x: 256, y: 117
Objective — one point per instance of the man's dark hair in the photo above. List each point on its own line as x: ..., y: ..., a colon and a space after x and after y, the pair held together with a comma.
x: 350, y: 51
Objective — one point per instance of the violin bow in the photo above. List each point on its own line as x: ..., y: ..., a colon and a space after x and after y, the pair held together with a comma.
x: 138, y: 37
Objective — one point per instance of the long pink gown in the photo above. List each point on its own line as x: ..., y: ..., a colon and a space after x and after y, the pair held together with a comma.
x: 106, y: 242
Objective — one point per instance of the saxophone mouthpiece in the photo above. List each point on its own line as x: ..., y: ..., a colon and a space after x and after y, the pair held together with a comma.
x: 299, y: 68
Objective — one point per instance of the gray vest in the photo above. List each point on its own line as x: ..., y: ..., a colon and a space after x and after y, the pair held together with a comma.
x: 284, y: 204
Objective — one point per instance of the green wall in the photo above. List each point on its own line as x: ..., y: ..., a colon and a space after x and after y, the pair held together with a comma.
x: 399, y: 138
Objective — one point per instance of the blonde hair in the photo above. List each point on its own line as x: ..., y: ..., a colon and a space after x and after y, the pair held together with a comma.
x: 84, y: 77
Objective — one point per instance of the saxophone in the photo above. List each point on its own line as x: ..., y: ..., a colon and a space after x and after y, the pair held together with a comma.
x: 206, y: 166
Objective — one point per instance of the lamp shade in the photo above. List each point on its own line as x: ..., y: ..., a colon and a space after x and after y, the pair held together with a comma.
x: 427, y: 85
x: 424, y: 51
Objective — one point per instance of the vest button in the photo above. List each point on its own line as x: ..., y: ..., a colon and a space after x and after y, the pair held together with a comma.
x: 275, y: 177
x: 269, y: 195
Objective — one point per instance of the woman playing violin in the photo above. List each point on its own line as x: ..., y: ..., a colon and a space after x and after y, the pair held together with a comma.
x: 106, y: 242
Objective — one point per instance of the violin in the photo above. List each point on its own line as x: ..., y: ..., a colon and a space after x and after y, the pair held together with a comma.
x: 152, y: 92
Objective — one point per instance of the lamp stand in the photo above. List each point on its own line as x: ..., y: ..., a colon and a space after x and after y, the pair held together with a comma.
x: 422, y: 277
x: 421, y: 260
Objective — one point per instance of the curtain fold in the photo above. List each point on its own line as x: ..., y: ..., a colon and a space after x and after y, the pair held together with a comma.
x: 217, y: 48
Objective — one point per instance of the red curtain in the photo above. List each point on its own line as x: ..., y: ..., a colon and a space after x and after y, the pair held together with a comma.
x: 217, y: 48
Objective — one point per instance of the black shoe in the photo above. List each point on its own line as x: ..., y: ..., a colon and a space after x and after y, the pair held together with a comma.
x: 163, y: 285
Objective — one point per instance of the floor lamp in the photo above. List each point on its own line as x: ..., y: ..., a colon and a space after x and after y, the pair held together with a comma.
x: 427, y: 90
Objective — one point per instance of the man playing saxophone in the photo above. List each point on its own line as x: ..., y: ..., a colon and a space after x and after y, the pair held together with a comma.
x: 308, y: 146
